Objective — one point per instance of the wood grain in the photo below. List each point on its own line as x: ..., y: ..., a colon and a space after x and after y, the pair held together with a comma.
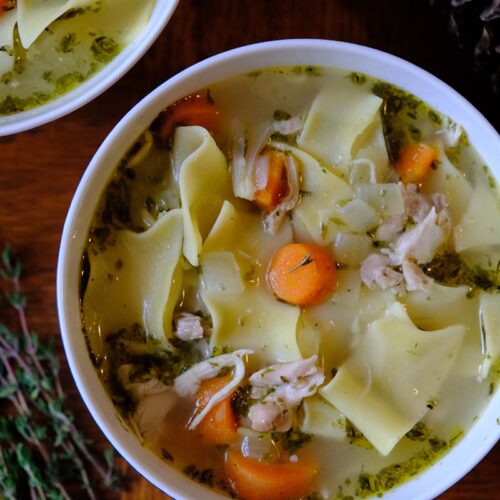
x: 40, y: 169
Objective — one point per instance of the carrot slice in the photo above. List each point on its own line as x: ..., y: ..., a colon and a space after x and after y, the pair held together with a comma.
x: 192, y: 110
x: 270, y: 172
x: 302, y: 274
x: 220, y: 424
x: 414, y: 161
x: 6, y: 5
x: 254, y: 480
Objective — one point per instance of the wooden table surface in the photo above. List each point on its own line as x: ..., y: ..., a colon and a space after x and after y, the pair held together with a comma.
x: 40, y: 169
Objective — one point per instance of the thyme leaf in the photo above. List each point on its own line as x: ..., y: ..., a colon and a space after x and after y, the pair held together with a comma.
x: 304, y: 262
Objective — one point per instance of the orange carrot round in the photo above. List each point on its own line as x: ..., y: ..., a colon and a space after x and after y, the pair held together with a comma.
x: 254, y: 480
x: 414, y: 162
x: 220, y: 424
x: 6, y: 5
x: 270, y: 172
x: 195, y: 109
x: 302, y: 274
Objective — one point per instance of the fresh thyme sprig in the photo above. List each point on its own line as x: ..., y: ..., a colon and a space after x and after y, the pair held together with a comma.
x: 41, y: 450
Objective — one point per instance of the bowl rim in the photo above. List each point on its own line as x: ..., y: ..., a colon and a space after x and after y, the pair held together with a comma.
x: 479, y: 439
x: 99, y: 82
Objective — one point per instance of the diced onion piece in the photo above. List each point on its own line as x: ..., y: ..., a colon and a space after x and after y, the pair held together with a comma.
x: 258, y: 446
x: 359, y: 216
x: 241, y: 175
x: 221, y: 273
x: 363, y: 171
x: 352, y: 249
x: 386, y: 198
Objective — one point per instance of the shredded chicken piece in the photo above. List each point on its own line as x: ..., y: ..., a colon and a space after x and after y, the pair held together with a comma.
x: 189, y: 382
x: 287, y: 127
x: 188, y: 327
x: 415, y: 278
x: 280, y: 388
x: 439, y: 201
x: 154, y: 401
x: 270, y: 416
x: 391, y: 228
x: 246, y: 147
x: 376, y: 272
x: 273, y: 220
x: 423, y: 241
x: 417, y: 206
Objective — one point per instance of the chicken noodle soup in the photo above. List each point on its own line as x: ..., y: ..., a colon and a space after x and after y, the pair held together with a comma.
x: 48, y: 48
x: 290, y: 282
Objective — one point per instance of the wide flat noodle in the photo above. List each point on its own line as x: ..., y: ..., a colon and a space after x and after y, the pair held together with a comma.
x: 321, y: 191
x: 242, y: 234
x: 370, y: 145
x: 7, y: 22
x: 33, y: 16
x: 204, y: 185
x: 136, y: 280
x: 337, y: 117
x: 480, y: 224
x: 385, y: 386
x: 440, y: 306
x: 221, y: 273
x: 338, y: 325
x: 322, y: 419
x: 252, y: 319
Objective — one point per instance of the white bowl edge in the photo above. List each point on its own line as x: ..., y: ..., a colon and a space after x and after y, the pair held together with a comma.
x: 482, y: 436
x: 98, y: 83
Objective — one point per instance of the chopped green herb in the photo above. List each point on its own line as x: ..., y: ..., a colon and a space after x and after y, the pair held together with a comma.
x: 104, y: 48
x: 68, y: 81
x: 449, y: 269
x: 280, y: 115
x: 292, y: 440
x: 67, y: 43
x: 202, y: 476
x: 7, y: 77
x: 420, y: 432
x: 358, y: 78
x: 369, y: 485
x: 242, y: 401
x: 355, y: 436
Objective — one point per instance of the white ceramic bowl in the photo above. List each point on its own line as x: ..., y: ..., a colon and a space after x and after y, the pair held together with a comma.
x: 101, y: 81
x: 485, y: 432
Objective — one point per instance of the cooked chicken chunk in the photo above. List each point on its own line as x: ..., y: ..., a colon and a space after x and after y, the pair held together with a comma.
x: 423, y: 241
x: 154, y: 400
x: 280, y: 389
x: 415, y: 278
x: 188, y: 327
x: 376, y: 272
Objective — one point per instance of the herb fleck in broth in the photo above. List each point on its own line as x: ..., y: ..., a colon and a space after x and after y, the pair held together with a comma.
x: 438, y: 371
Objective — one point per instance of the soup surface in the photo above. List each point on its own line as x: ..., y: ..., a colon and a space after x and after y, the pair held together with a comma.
x: 290, y: 282
x: 48, y: 48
